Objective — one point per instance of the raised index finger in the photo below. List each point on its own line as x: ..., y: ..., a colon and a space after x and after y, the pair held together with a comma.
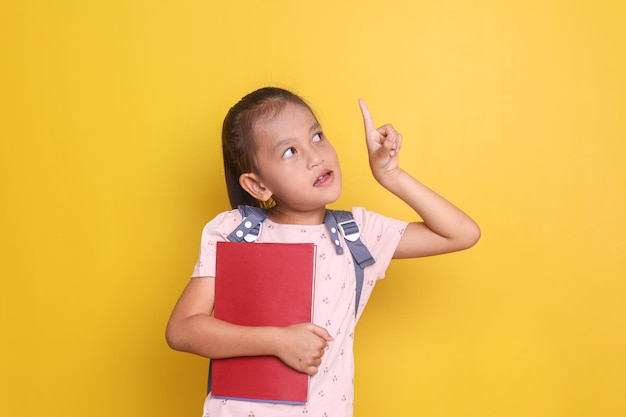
x: 367, y: 116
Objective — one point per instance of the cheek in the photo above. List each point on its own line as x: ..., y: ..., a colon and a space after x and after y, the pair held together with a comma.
x: 338, y: 176
x: 331, y: 154
x: 335, y: 160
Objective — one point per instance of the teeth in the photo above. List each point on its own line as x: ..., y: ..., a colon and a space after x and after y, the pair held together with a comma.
x: 320, y: 179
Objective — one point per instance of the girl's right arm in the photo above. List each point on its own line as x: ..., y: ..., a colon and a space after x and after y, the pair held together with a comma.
x: 192, y: 328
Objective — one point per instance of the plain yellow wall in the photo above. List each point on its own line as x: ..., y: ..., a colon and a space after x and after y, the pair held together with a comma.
x: 110, y: 166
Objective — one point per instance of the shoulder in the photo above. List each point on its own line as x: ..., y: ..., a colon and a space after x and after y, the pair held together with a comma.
x: 222, y: 224
x: 371, y: 219
x: 381, y: 235
x: 377, y: 229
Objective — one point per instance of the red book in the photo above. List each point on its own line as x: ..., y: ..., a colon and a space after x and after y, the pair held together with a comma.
x: 262, y: 284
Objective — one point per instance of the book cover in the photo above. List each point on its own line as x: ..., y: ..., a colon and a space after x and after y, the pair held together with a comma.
x: 262, y: 284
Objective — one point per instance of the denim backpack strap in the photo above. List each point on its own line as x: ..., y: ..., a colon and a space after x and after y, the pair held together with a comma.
x: 250, y: 227
x: 339, y: 221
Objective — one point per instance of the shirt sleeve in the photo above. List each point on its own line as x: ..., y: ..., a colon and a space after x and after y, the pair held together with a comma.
x: 215, y: 231
x: 381, y: 235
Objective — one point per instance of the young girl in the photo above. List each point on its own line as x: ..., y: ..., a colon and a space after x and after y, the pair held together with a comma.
x: 276, y: 156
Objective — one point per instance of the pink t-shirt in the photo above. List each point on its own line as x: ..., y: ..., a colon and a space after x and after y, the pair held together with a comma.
x: 331, y: 390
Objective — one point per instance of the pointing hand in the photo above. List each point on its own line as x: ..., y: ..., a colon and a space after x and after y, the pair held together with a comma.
x: 383, y: 145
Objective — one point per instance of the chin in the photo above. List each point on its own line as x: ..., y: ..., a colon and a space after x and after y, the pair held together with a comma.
x: 335, y: 197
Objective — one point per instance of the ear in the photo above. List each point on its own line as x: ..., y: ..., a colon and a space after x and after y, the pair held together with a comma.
x: 251, y: 182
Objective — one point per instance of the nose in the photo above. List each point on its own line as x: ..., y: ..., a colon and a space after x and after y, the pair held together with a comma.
x: 315, y: 158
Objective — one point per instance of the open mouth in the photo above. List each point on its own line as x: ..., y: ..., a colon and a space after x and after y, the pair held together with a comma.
x: 323, y: 179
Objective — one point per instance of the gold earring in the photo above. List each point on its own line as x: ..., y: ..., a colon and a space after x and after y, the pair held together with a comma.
x: 267, y: 204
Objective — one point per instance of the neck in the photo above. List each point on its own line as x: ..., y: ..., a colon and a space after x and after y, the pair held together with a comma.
x: 277, y: 215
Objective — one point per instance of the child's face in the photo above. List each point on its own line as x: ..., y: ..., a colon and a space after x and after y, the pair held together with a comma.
x: 295, y: 161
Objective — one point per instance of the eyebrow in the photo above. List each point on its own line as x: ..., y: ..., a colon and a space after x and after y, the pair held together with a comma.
x: 283, y: 142
x: 315, y: 126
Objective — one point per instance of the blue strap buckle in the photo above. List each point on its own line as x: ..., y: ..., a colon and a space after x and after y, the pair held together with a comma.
x: 350, y: 230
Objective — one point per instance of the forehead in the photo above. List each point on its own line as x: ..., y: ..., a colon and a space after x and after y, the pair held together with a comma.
x: 289, y: 122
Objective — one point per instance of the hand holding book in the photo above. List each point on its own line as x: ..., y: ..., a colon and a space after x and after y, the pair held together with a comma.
x: 302, y: 346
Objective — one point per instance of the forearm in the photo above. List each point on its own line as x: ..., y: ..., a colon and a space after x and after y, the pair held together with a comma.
x: 300, y: 346
x: 441, y: 216
x: 455, y: 229
x: 207, y: 336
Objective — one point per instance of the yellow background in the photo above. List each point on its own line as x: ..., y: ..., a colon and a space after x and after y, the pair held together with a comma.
x: 110, y: 166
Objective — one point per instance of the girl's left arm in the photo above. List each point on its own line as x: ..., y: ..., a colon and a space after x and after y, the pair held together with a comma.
x: 445, y: 228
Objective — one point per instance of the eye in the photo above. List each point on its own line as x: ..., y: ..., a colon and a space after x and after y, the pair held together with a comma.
x: 317, y: 137
x: 289, y: 152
